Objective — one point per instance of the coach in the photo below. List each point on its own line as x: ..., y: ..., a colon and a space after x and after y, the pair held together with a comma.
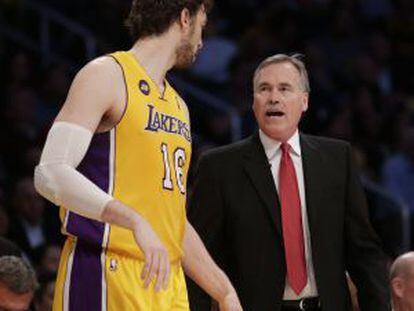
x: 283, y: 212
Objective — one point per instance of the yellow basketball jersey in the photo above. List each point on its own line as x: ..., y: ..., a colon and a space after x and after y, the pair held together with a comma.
x: 143, y: 162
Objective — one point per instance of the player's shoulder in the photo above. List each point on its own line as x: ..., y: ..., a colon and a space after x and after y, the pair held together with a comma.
x: 97, y: 84
x: 103, y: 66
x: 101, y: 77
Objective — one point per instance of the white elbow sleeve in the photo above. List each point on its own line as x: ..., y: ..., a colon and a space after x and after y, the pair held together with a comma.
x: 56, y: 177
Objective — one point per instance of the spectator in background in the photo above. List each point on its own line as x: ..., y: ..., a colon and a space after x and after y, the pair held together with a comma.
x: 398, y: 170
x: 20, y: 128
x: 49, y: 261
x: 21, y: 111
x: 379, y: 48
x: 8, y: 248
x: 30, y: 230
x: 30, y: 159
x: 401, y: 25
x: 4, y: 221
x: 388, y: 215
x: 375, y: 9
x: 43, y: 299
x: 17, y: 283
x: 218, y: 51
x: 54, y: 88
x: 402, y: 282
x: 3, y: 171
x: 20, y: 72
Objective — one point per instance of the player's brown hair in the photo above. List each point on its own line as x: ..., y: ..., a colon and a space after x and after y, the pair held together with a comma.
x: 154, y: 17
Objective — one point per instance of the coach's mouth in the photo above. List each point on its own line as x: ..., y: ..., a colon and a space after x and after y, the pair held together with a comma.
x: 274, y: 114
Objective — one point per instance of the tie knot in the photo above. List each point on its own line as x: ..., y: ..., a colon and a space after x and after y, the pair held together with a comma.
x: 285, y: 148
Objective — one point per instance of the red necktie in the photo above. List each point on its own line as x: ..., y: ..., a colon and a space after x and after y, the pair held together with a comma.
x: 292, y: 222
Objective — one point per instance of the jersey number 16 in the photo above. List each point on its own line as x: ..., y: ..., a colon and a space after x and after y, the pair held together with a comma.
x: 179, y: 161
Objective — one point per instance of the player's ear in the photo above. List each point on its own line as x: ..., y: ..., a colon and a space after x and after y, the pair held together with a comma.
x: 185, y: 19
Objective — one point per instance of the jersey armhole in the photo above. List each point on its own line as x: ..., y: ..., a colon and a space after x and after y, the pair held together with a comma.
x: 126, y: 93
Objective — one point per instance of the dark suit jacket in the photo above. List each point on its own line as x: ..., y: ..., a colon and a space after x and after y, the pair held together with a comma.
x: 235, y: 209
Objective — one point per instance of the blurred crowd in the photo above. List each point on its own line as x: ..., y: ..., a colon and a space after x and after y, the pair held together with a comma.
x: 359, y: 55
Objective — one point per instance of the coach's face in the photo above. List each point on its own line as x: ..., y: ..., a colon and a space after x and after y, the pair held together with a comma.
x: 279, y: 100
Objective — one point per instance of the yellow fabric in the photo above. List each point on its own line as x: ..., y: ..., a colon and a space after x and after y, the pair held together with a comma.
x: 153, y: 128
x: 62, y: 274
x: 125, y: 289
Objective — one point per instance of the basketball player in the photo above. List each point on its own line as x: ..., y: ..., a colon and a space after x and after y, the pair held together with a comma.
x: 116, y: 160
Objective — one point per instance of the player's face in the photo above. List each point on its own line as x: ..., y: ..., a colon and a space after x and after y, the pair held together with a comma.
x: 279, y: 100
x: 193, y: 42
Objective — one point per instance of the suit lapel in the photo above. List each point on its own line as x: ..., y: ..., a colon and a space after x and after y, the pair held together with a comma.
x: 258, y: 169
x: 313, y: 172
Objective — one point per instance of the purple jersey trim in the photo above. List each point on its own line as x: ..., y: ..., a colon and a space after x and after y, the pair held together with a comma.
x: 85, y: 292
x: 95, y: 167
x: 86, y: 278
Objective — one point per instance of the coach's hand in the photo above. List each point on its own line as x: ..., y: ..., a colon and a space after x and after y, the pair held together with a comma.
x: 157, y: 262
x: 230, y: 303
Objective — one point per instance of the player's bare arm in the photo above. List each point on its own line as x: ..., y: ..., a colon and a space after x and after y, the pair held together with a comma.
x: 200, y: 267
x: 95, y: 103
x: 96, y: 97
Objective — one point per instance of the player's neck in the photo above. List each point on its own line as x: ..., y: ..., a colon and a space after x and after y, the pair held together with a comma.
x: 157, y: 56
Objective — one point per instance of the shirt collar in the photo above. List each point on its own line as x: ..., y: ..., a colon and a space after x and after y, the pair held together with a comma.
x: 271, y: 146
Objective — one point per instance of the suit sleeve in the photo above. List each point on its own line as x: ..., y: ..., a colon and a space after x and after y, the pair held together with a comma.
x: 365, y: 260
x: 206, y: 215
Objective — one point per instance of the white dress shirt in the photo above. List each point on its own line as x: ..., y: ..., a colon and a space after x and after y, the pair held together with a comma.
x: 273, y: 153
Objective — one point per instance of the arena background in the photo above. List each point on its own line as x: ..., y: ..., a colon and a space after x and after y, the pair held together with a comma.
x: 359, y: 54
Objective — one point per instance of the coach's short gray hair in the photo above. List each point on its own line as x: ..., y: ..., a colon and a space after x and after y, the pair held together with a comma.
x: 294, y: 59
x: 17, y: 275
